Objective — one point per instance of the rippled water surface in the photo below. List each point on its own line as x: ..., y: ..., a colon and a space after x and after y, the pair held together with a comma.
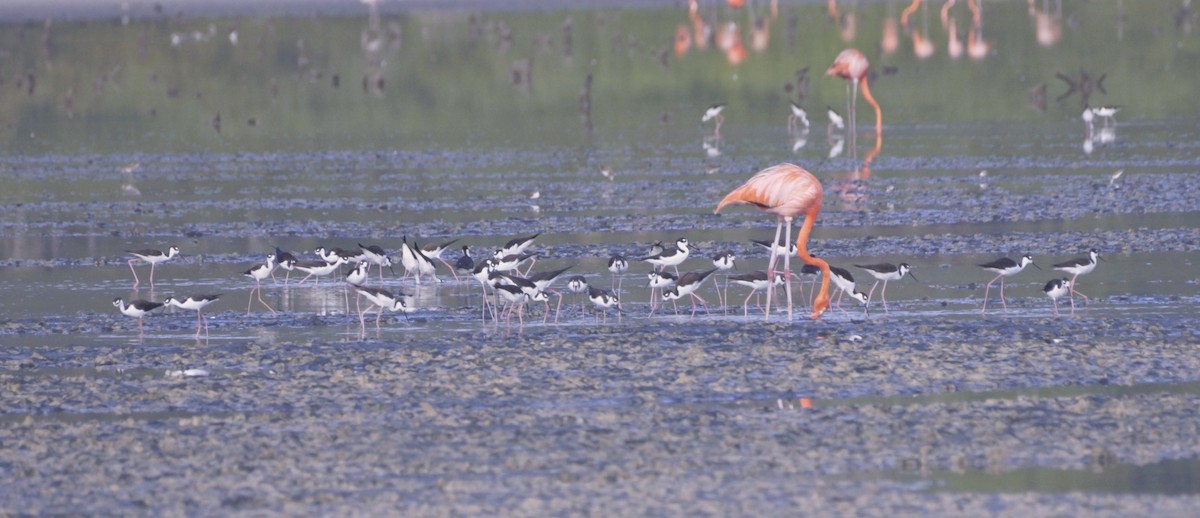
x: 229, y: 133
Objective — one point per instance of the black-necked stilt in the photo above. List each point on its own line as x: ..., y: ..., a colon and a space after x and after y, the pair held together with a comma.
x: 258, y: 273
x: 1076, y: 267
x: 136, y: 308
x: 150, y: 256
x: 659, y: 280
x: 285, y: 260
x: 415, y: 261
x: 332, y: 254
x: 507, y: 263
x: 326, y: 254
x: 318, y: 269
x: 434, y: 251
x: 724, y: 261
x: 1057, y: 288
x: 1106, y: 113
x: 885, y: 272
x: 517, y: 246
x: 604, y: 299
x: 655, y: 248
x: 357, y: 276
x: 376, y: 255
x: 481, y: 273
x: 618, y: 265
x: 796, y: 114
x: 836, y: 122
x: 673, y: 256
x: 197, y: 304
x: 464, y: 262
x: 542, y: 281
x: 577, y: 284
x: 687, y: 285
x: 756, y: 281
x: 383, y: 299
x: 714, y: 113
x: 844, y: 281
x: 1004, y: 267
x: 778, y: 249
x: 516, y: 297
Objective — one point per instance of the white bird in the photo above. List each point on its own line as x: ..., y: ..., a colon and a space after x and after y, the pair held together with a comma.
x: 797, y: 114
x: 836, y: 120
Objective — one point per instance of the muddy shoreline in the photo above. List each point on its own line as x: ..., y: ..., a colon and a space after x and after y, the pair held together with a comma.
x: 638, y: 417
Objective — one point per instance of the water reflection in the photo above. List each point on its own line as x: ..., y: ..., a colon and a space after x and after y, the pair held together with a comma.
x: 977, y: 47
x: 1104, y: 135
x: 1047, y: 21
x: 712, y: 146
x: 259, y: 83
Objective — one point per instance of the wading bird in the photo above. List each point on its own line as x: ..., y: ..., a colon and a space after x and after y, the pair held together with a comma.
x: 755, y: 281
x: 852, y: 66
x: 1077, y: 267
x: 197, y: 303
x: 885, y: 272
x: 150, y: 256
x: 1057, y: 288
x: 260, y: 272
x: 714, y: 113
x: 136, y: 309
x: 787, y: 191
x: 1004, y: 267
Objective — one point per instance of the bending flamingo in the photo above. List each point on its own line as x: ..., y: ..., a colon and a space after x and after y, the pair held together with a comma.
x: 787, y: 191
x: 852, y: 66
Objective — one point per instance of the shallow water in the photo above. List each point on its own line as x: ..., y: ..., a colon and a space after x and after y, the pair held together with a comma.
x: 352, y: 127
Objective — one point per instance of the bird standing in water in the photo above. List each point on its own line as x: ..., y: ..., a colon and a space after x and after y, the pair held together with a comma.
x: 787, y: 191
x: 852, y: 66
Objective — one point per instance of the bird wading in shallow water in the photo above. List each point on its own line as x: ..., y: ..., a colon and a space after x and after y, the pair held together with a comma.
x: 196, y: 303
x: 787, y: 191
x: 1055, y: 289
x: 136, y: 308
x: 885, y: 272
x: 1077, y: 267
x: 150, y: 256
x: 852, y: 66
x: 1004, y: 267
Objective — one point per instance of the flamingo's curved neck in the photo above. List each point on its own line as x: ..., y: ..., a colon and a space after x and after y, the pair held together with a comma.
x: 866, y: 90
x: 810, y: 217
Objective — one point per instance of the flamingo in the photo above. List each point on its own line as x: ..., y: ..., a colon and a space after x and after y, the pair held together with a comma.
x: 787, y: 190
x: 852, y: 66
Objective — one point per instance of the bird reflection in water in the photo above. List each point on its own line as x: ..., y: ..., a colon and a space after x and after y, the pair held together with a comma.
x: 923, y: 47
x: 977, y: 47
x: 954, y: 44
x: 847, y: 22
x: 712, y: 146
x: 852, y: 187
x: 889, y: 41
x: 1047, y: 21
x: 1104, y: 135
x: 852, y: 66
x: 376, y: 44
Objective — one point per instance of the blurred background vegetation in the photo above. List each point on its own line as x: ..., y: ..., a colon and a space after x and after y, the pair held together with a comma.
x: 394, y: 77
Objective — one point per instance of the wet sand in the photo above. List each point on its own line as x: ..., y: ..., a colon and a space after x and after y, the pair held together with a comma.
x: 641, y: 417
